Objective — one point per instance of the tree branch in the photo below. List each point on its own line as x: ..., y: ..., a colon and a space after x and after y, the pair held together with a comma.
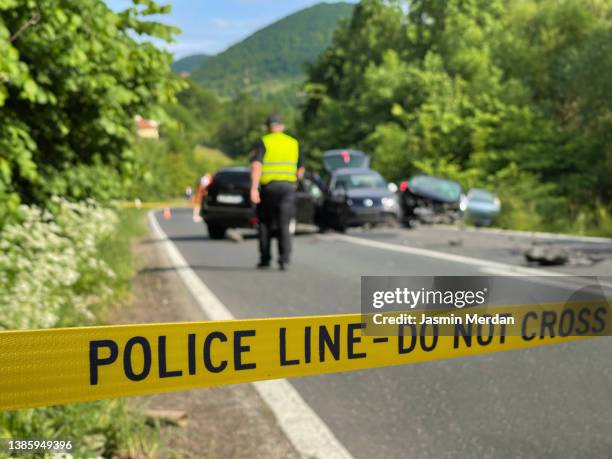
x: 30, y: 22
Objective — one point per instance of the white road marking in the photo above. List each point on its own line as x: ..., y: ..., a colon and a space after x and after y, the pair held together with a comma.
x: 530, y: 234
x: 478, y: 262
x: 307, y: 432
x: 569, y: 281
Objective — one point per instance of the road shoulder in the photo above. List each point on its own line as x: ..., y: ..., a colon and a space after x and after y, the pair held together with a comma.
x: 224, y: 422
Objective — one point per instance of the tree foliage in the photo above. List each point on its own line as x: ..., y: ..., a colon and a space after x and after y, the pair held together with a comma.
x: 231, y: 125
x: 511, y: 95
x: 70, y: 85
x: 204, y: 133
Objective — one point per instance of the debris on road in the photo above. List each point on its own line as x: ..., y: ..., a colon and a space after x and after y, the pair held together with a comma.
x: 547, y: 256
x: 551, y: 255
x: 234, y: 236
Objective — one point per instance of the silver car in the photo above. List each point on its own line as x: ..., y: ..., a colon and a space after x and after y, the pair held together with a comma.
x: 480, y: 206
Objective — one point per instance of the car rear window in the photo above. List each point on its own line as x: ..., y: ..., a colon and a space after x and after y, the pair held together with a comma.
x: 242, y: 178
x: 345, y: 158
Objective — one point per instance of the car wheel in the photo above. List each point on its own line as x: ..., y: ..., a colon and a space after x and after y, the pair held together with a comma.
x: 410, y: 223
x: 341, y: 220
x: 341, y: 226
x: 216, y: 232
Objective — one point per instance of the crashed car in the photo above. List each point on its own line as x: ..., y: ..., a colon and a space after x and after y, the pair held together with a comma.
x: 228, y: 204
x: 358, y: 196
x: 427, y: 199
x: 480, y: 206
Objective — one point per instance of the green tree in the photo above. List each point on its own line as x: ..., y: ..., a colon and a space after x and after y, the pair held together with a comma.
x: 505, y: 94
x: 335, y: 113
x: 196, y: 114
x: 71, y: 81
x: 243, y: 124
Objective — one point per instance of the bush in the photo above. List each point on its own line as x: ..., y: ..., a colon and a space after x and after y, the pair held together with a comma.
x: 49, y: 269
x: 86, y: 181
x: 58, y: 267
x: 166, y: 167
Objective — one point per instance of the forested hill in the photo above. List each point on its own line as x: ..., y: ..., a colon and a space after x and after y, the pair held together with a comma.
x: 274, y: 57
x: 189, y: 63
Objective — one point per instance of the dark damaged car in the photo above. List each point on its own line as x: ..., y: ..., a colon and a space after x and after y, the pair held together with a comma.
x: 427, y: 199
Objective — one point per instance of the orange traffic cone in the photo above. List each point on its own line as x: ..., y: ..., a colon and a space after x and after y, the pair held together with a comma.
x: 167, y: 213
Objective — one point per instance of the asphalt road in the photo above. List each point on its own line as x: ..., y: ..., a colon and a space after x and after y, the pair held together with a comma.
x: 554, y: 401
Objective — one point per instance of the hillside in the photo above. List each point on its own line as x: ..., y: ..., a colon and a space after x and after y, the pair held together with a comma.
x: 273, y: 58
x: 190, y: 63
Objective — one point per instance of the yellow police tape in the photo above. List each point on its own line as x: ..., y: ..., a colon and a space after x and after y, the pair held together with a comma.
x: 58, y: 366
x: 152, y: 205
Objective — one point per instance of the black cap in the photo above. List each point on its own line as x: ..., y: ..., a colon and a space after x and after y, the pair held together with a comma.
x: 273, y: 119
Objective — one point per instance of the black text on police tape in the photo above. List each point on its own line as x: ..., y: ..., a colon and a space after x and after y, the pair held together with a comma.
x: 320, y: 344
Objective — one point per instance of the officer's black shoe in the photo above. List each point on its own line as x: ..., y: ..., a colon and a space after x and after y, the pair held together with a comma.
x: 283, y: 266
x: 263, y: 265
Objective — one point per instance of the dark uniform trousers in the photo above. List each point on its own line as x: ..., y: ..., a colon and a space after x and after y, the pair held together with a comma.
x: 275, y: 212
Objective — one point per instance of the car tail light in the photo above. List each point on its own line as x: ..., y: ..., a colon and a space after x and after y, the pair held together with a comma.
x: 208, y: 187
x: 403, y: 186
x: 253, y: 221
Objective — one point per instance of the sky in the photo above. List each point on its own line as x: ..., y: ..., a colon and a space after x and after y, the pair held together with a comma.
x: 210, y: 26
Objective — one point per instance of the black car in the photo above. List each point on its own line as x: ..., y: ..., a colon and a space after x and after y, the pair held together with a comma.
x: 429, y: 199
x: 358, y: 196
x: 228, y: 204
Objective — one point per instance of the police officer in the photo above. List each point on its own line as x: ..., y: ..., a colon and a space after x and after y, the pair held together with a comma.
x: 275, y: 168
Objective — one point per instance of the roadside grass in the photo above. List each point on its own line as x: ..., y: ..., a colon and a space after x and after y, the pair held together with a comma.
x: 116, y: 250
x: 168, y: 166
x: 105, y: 428
x: 210, y: 159
x: 96, y: 429
x: 596, y: 222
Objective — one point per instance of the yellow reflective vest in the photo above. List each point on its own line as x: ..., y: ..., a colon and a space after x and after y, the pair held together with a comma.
x: 280, y: 161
